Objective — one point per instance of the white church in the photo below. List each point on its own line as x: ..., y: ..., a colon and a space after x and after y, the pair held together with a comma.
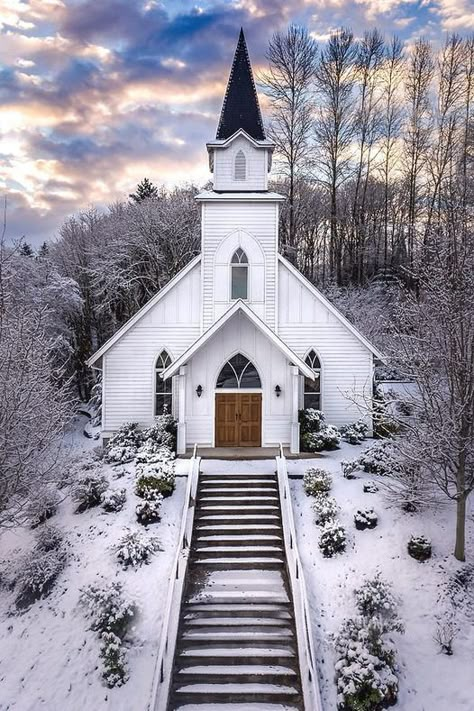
x: 239, y: 341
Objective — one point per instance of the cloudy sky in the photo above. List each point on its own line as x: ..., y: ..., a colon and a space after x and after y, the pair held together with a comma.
x: 97, y: 94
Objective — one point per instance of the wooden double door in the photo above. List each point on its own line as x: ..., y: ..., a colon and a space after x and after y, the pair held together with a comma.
x: 238, y: 419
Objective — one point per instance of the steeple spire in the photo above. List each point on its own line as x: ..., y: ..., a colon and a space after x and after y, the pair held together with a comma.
x: 240, y: 108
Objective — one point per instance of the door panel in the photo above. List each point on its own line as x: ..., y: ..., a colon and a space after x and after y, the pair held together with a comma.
x: 238, y: 420
x: 227, y: 425
x: 250, y: 420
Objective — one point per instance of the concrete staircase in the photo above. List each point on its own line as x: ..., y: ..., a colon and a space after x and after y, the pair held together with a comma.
x: 236, y: 646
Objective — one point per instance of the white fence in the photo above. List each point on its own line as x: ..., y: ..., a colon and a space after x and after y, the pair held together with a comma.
x: 307, y: 659
x: 164, y: 663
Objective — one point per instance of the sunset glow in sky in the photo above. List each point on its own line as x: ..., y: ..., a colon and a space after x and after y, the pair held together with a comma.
x: 97, y: 94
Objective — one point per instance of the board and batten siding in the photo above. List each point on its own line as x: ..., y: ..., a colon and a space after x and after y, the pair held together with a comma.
x: 129, y: 366
x: 255, y: 164
x: 238, y: 335
x: 239, y: 223
x: 347, y: 364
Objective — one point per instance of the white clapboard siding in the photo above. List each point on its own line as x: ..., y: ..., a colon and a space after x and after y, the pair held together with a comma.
x: 227, y: 225
x: 305, y: 323
x: 255, y: 166
x: 238, y: 335
x: 129, y: 366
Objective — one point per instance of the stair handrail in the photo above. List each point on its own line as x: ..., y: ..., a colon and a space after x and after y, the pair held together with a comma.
x: 306, y: 655
x: 164, y: 662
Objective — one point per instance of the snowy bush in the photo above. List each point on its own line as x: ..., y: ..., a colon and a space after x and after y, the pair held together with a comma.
x: 164, y: 432
x: 317, y: 481
x: 43, y: 506
x: 149, y: 510
x: 113, y: 500
x: 88, y: 489
x: 365, y: 667
x: 107, y: 608
x: 380, y: 458
x: 135, y: 548
x: 332, y: 539
x: 348, y: 468
x: 49, y: 538
x: 123, y: 445
x: 374, y: 598
x: 325, y: 509
x: 114, y: 662
x: 446, y: 632
x: 419, y: 547
x: 365, y: 519
x: 310, y: 420
x: 38, y: 569
x: 327, y: 438
x: 110, y: 614
x: 354, y: 433
x: 370, y: 487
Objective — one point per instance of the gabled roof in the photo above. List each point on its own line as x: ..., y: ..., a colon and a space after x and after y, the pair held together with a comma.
x: 238, y: 306
x: 335, y: 312
x: 149, y: 305
x: 240, y: 108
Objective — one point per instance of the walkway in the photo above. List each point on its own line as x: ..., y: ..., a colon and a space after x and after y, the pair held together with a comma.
x: 236, y: 644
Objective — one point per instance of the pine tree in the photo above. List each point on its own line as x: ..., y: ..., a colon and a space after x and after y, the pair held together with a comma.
x: 26, y: 250
x: 145, y: 190
x: 43, y: 251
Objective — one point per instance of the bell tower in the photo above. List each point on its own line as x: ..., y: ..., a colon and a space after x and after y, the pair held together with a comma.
x: 239, y: 216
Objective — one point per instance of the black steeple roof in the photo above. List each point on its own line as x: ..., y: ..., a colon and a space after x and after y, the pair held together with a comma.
x: 240, y: 108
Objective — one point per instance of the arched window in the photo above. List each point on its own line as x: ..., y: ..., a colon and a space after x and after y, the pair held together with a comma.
x: 239, y: 275
x: 240, y: 166
x: 312, y: 388
x: 163, y: 388
x: 239, y: 372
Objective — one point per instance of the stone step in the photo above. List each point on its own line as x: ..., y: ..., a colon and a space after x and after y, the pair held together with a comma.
x: 239, y: 551
x: 244, y: 538
x: 223, y: 655
x: 222, y: 621
x: 241, y: 563
x: 238, y: 483
x: 231, y: 635
x: 216, y: 519
x: 194, y: 610
x: 239, y: 491
x: 235, y: 500
x: 242, y: 673
x: 239, y: 528
x: 224, y: 597
x: 230, y: 510
x: 236, y: 692
x: 237, y: 475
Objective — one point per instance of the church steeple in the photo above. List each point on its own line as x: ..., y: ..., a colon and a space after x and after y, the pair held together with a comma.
x: 240, y: 108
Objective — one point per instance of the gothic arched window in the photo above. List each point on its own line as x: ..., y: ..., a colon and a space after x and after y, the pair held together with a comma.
x: 239, y: 275
x: 163, y: 388
x: 240, y: 166
x: 312, y: 388
x: 239, y: 372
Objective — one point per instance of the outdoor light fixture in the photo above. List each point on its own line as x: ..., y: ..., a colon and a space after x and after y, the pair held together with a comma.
x: 277, y: 390
x: 199, y: 390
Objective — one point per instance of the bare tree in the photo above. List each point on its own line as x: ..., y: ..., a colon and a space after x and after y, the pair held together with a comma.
x: 434, y: 346
x: 289, y: 85
x: 335, y: 127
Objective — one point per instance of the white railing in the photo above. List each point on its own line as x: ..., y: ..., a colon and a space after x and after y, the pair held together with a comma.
x: 307, y: 659
x: 164, y: 662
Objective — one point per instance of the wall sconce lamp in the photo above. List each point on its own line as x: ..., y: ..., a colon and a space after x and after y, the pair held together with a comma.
x: 277, y: 390
x: 199, y: 390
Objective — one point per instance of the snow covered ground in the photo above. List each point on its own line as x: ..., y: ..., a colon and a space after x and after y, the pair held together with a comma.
x: 429, y: 681
x: 48, y: 658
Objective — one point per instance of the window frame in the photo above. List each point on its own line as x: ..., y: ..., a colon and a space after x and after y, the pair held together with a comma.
x: 242, y: 166
x: 238, y: 376
x: 162, y: 362
x: 311, y: 358
x: 239, y: 260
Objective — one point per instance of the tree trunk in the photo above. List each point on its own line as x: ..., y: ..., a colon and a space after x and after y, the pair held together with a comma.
x: 459, y: 548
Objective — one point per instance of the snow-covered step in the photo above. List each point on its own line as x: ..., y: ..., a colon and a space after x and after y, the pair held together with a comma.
x: 222, y: 621
x: 239, y: 529
x: 240, y: 491
x: 240, y: 672
x: 241, y: 563
x: 238, y: 483
x: 238, y: 551
x: 223, y: 596
x: 236, y: 692
x: 236, y: 706
x: 235, y: 500
x: 232, y: 636
x: 277, y: 654
x: 268, y: 610
x: 231, y: 508
x: 211, y: 519
x: 222, y: 539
